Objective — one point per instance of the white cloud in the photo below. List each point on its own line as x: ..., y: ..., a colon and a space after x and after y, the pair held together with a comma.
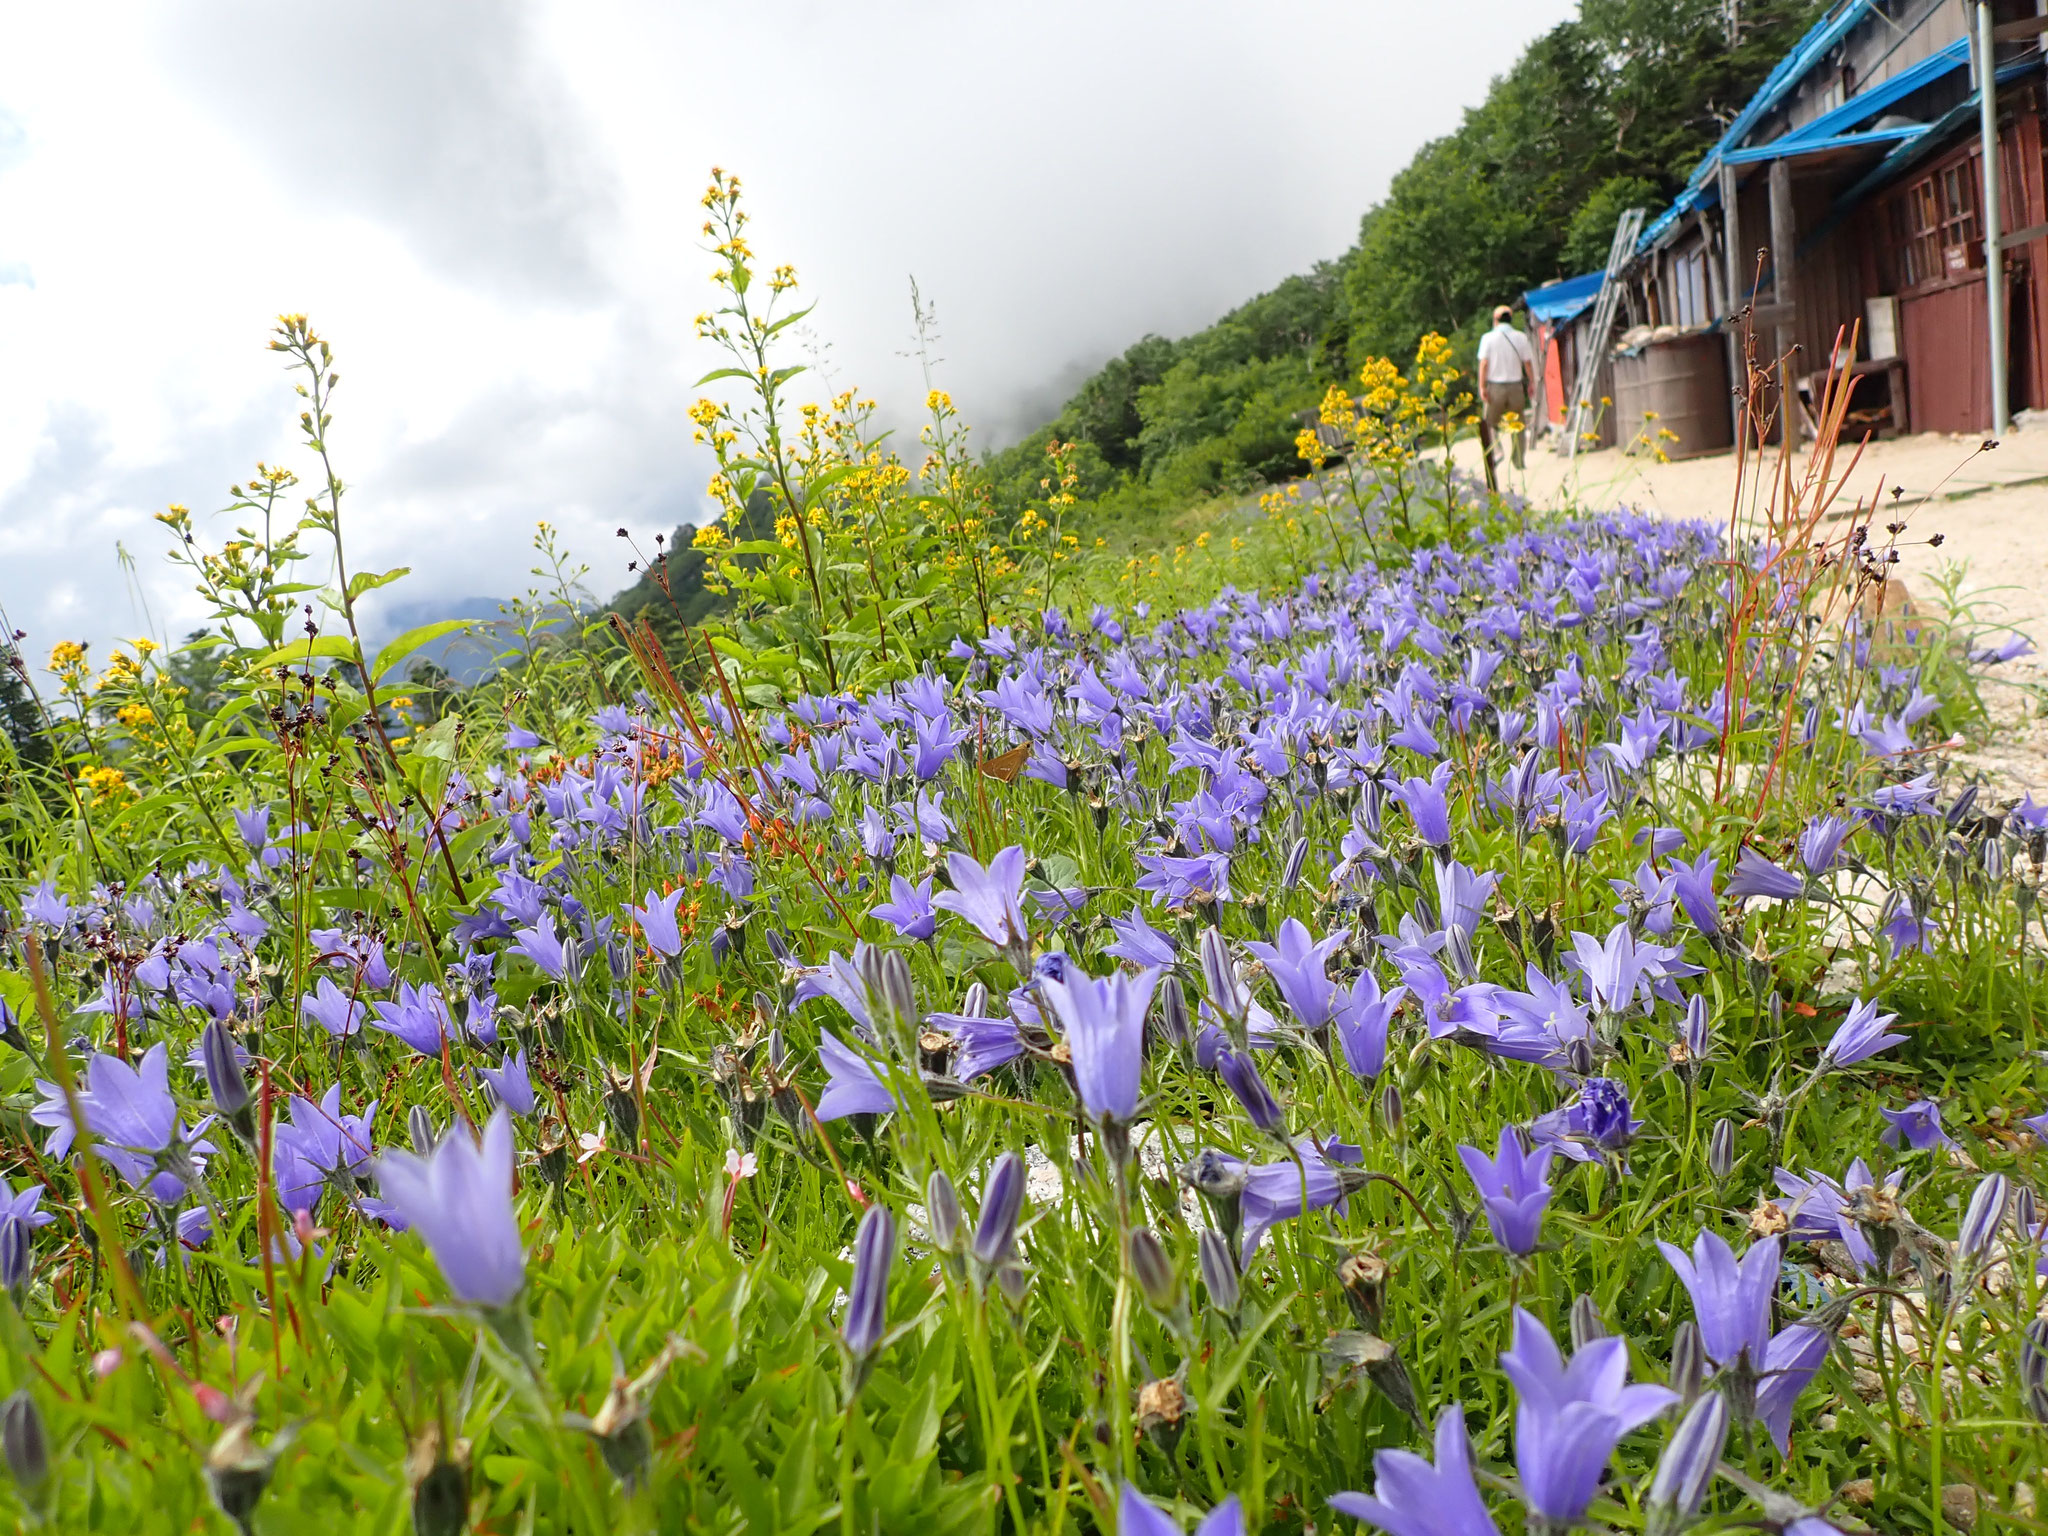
x: 491, y: 209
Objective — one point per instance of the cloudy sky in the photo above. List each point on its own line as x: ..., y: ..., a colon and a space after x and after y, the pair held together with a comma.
x: 491, y: 211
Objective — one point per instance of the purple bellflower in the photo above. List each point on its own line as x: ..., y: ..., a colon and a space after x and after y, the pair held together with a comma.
x: 1756, y: 875
x: 1791, y: 1361
x: 1139, y: 942
x: 989, y: 898
x: 333, y: 1009
x: 459, y: 1200
x: 1821, y: 843
x: 1860, y: 1036
x: 419, y: 1017
x: 1296, y: 963
x: 1693, y: 886
x: 1816, y: 1207
x: 854, y: 1087
x: 1104, y: 1022
x: 543, y: 946
x: 657, y: 922
x: 1362, y: 1015
x: 1512, y: 1188
x: 1412, y: 1498
x: 1917, y: 1126
x: 909, y: 909
x: 1273, y: 1192
x: 1593, y: 1126
x: 316, y: 1145
x: 1427, y: 807
x: 23, y: 1205
x: 1137, y: 1515
x: 254, y: 825
x: 135, y: 1120
x: 1570, y: 1416
x: 43, y: 905
x: 1730, y: 1299
x: 511, y: 1084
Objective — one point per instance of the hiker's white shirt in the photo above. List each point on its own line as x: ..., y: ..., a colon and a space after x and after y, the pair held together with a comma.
x: 1503, y: 354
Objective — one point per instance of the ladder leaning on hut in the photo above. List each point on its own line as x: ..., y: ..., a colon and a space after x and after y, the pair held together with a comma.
x: 1578, y: 420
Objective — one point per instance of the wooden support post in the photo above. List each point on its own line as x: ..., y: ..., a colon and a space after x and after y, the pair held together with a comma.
x: 1735, y: 290
x: 1784, y: 255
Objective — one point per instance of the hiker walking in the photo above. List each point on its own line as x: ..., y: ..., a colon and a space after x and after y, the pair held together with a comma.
x: 1507, y: 374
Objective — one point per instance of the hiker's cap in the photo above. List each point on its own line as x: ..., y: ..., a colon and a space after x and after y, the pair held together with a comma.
x: 1502, y: 312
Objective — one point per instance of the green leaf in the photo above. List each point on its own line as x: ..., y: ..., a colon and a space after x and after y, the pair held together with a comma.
x: 333, y: 647
x: 413, y: 639
x: 370, y: 581
x: 721, y: 373
x: 438, y: 740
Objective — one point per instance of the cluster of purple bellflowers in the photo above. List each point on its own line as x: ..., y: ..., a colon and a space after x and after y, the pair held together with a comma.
x: 1336, y: 754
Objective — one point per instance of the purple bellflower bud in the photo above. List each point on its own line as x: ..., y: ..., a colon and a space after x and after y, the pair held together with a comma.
x: 1721, y: 1150
x: 25, y: 1446
x: 1982, y: 1220
x: 17, y: 1256
x: 867, y: 1306
x: 1002, y: 1202
x: 942, y: 1212
x: 1241, y: 1076
x: 222, y: 1061
x: 1219, y: 1271
x: 1157, y: 1278
x: 1686, y: 1469
x: 1173, y: 1013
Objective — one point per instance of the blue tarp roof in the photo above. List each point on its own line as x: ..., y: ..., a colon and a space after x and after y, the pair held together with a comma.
x: 1926, y: 138
x: 1865, y: 105
x: 1786, y: 74
x: 1840, y: 129
x: 1556, y: 303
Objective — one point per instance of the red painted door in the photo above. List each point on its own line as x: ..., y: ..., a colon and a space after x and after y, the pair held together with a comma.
x: 1948, y: 363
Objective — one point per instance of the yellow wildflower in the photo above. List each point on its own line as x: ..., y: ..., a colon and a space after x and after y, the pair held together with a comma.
x: 105, y: 783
